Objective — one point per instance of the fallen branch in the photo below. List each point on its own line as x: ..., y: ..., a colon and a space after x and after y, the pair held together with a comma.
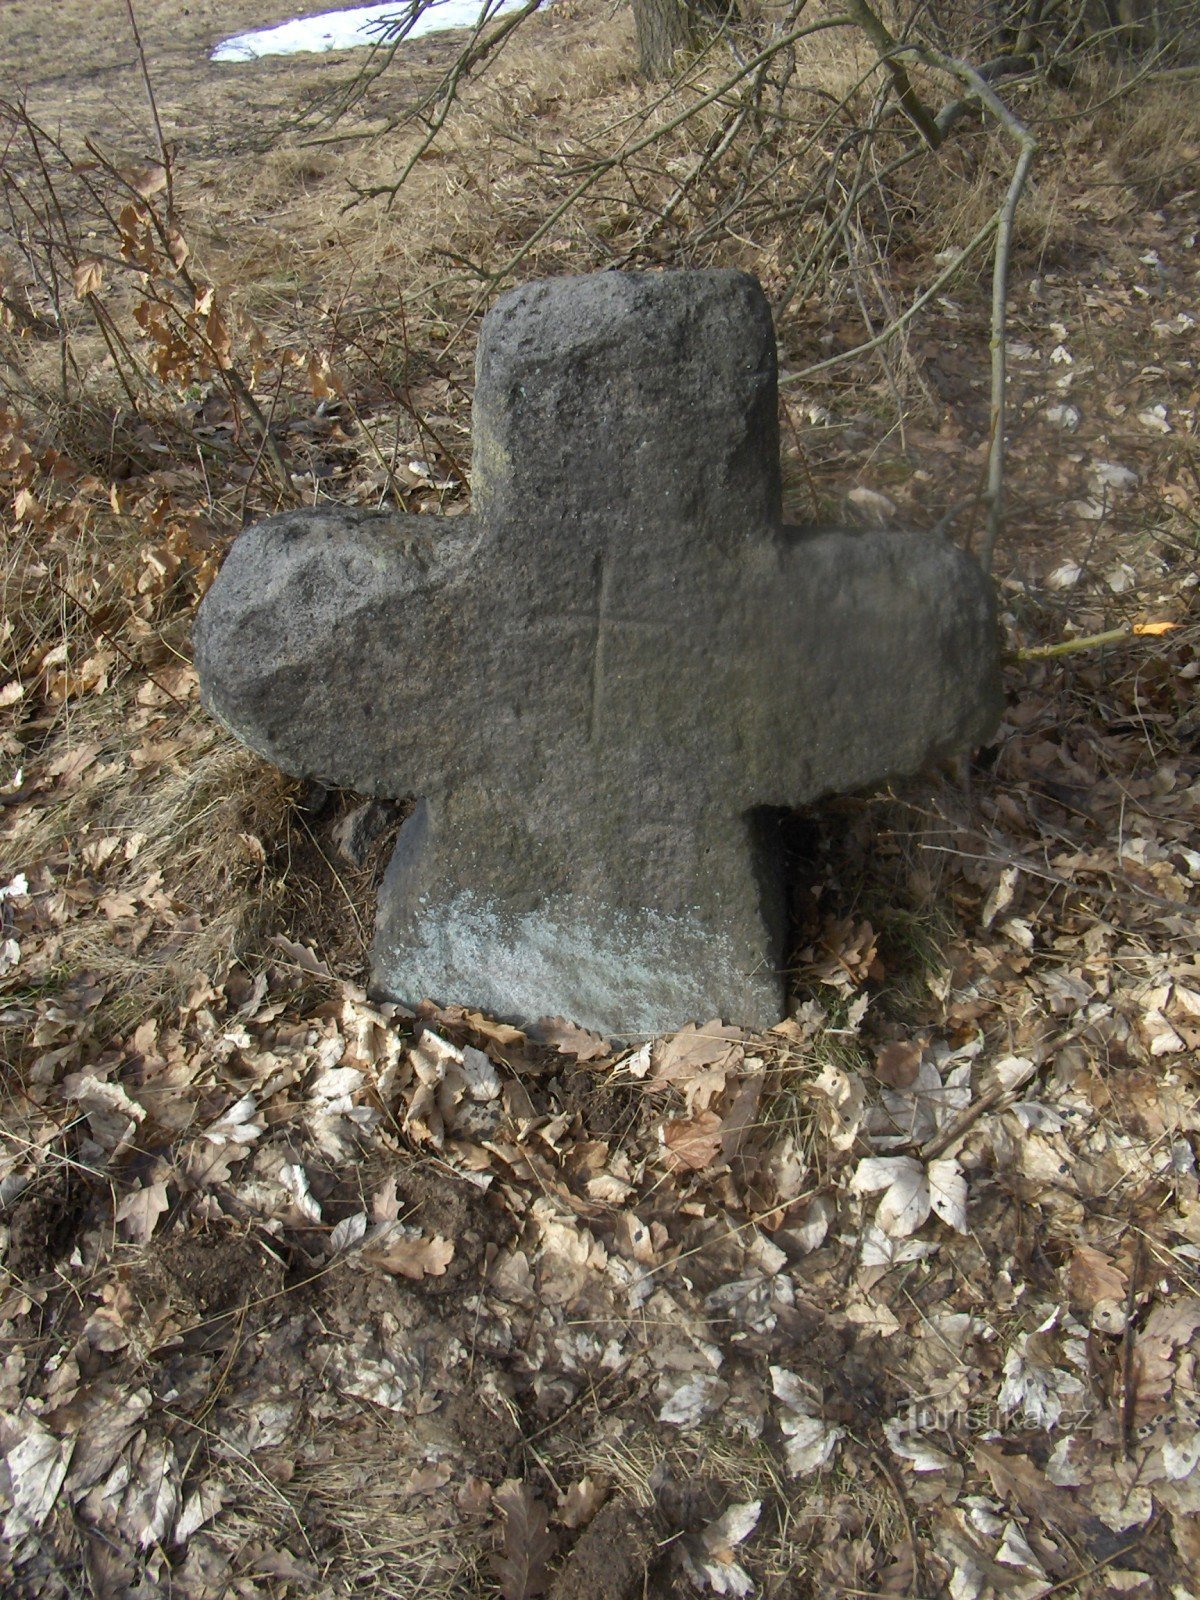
x: 890, y: 51
x: 1093, y: 641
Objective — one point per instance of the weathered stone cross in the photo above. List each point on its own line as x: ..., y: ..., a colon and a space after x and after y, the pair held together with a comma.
x: 600, y: 681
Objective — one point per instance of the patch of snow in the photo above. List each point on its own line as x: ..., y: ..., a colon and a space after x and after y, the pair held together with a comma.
x: 361, y: 25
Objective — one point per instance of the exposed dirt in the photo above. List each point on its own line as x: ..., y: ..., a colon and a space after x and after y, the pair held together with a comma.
x: 217, y: 1272
x: 45, y: 1221
x: 611, y: 1559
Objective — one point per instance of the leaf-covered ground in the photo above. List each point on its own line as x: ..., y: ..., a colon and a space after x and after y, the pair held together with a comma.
x: 304, y: 1295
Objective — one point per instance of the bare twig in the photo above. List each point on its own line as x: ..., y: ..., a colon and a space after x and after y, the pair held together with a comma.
x: 933, y: 131
x: 476, y: 52
x: 1129, y: 1362
x: 893, y: 328
x: 111, y: 639
x: 914, y: 108
x: 164, y: 154
x: 981, y: 90
x: 606, y: 164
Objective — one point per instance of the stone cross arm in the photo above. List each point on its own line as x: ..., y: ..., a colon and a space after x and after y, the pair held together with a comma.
x: 349, y: 647
x: 598, y: 680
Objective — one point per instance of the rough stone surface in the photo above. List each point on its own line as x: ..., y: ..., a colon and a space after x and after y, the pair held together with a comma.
x: 601, y: 682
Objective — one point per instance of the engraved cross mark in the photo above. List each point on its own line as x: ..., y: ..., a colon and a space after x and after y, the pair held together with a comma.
x: 602, y: 622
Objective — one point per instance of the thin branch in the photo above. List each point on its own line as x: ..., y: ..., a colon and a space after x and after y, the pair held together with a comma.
x: 229, y: 375
x: 980, y: 89
x: 913, y: 106
x: 600, y: 168
x: 111, y: 639
x: 158, y: 133
x: 905, y: 317
x: 1092, y: 641
x: 444, y: 96
x: 1001, y: 224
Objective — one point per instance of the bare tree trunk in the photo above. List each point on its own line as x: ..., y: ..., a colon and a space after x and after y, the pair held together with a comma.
x: 664, y: 28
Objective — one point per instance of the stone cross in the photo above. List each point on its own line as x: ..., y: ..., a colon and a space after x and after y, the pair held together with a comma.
x: 600, y: 683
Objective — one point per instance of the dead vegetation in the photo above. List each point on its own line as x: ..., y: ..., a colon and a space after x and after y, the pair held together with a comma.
x: 307, y: 1296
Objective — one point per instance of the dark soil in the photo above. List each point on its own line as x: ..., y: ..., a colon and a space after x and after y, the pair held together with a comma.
x: 45, y: 1222
x: 220, y: 1272
x: 612, y: 1559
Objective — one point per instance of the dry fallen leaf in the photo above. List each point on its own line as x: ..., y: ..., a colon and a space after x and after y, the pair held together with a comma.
x: 710, y: 1561
x: 408, y: 1255
x: 948, y: 1193
x: 522, y: 1569
x: 691, y: 1398
x: 841, y: 1103
x: 151, y: 1499
x: 474, y: 1498
x: 678, y: 1059
x: 1092, y: 1277
x: 896, y: 1063
x: 428, y: 1479
x: 70, y: 767
x: 728, y: 1530
x: 36, y: 1465
x: 693, y: 1142
x: 569, y: 1039
x: 301, y: 956
x: 1017, y: 1477
x: 501, y: 1034
x: 845, y: 956
x: 905, y: 1203
x: 140, y: 1210
x: 1002, y: 895
x: 581, y: 1502
x: 810, y: 1442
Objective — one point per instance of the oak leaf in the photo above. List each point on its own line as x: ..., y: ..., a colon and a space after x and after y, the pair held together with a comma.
x: 581, y: 1502
x: 410, y: 1255
x: 569, y: 1039
x: 140, y: 1210
x: 694, y: 1047
x: 693, y: 1142
x: 522, y: 1568
x: 1092, y: 1277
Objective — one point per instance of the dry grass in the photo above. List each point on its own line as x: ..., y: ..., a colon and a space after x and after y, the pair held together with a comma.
x: 1151, y: 139
x: 191, y: 827
x: 271, y: 231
